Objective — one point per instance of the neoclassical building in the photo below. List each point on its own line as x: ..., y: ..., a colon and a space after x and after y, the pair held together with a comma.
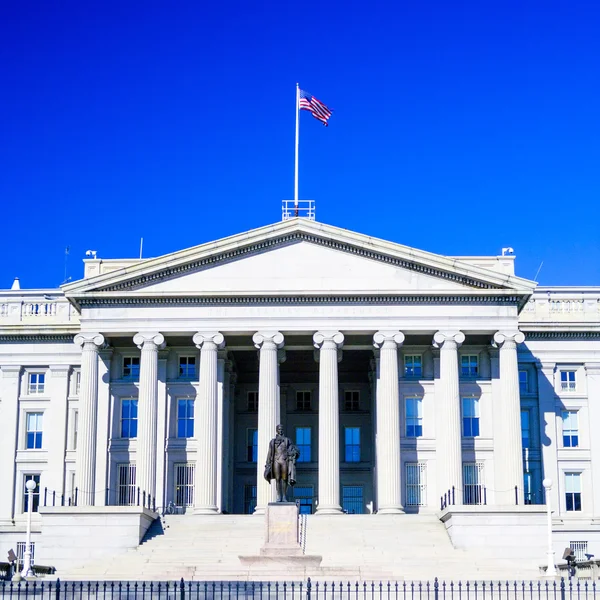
x: 408, y: 380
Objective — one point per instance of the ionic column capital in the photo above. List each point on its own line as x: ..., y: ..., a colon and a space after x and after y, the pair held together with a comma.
x: 267, y: 338
x: 388, y: 338
x: 209, y: 340
x: 149, y: 339
x: 329, y: 338
x: 508, y: 339
x: 448, y: 339
x: 88, y: 339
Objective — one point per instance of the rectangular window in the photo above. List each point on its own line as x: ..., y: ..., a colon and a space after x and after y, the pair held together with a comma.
x: 303, y: 443
x: 304, y: 495
x: 75, y: 428
x: 187, y: 367
x: 303, y: 400
x: 567, y: 381
x: 570, y: 427
x: 473, y: 483
x: 580, y: 549
x: 352, y: 441
x: 416, y: 491
x: 184, y: 484
x: 470, y: 417
x: 77, y: 382
x: 414, y: 416
x: 37, y: 382
x: 185, y: 418
x: 35, y: 496
x: 252, y: 445
x: 351, y: 400
x: 131, y: 368
x: 523, y: 382
x: 525, y: 429
x: 469, y: 365
x: 129, y: 416
x: 249, y: 499
x: 21, y: 554
x: 573, y: 491
x: 527, y: 488
x: 413, y: 365
x: 34, y: 431
x: 352, y: 499
x: 252, y: 401
x: 126, y: 492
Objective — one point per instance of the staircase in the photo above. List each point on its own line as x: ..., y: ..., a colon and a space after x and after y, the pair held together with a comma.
x: 353, y: 547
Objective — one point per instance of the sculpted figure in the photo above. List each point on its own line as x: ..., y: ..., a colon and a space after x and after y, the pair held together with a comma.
x: 281, y: 463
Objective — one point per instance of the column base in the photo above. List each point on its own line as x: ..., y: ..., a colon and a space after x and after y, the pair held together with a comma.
x: 329, y: 510
x: 259, y: 510
x: 391, y: 510
x: 206, y: 510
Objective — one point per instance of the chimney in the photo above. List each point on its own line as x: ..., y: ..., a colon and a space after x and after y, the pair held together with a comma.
x: 16, y: 285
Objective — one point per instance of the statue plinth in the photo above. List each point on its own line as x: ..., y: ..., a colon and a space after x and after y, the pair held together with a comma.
x: 282, y: 541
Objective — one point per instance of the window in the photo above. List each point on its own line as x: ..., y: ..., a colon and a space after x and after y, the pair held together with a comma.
x: 304, y: 496
x: 184, y: 484
x: 352, y: 441
x: 413, y: 366
x: 351, y: 400
x: 131, y: 368
x: 352, y: 499
x: 416, y: 494
x: 473, y: 483
x: 567, y: 381
x: 414, y: 417
x: 523, y: 382
x: 187, y: 367
x: 580, y: 549
x: 77, y: 382
x: 469, y: 366
x: 185, y: 418
x: 525, y: 429
x: 34, y: 431
x: 129, y: 414
x: 303, y: 443
x: 470, y: 415
x: 570, y: 426
x: 252, y: 401
x: 528, y: 488
x: 303, y: 400
x: 573, y: 491
x: 252, y: 445
x: 126, y: 491
x: 35, y: 496
x: 21, y: 553
x: 75, y: 428
x: 36, y: 383
x: 249, y: 499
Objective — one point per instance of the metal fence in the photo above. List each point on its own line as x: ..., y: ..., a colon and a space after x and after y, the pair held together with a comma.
x: 298, y: 590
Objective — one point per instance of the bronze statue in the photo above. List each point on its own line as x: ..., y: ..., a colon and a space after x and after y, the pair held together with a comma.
x: 281, y: 463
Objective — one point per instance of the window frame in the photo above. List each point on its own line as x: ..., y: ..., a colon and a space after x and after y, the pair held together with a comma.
x: 301, y: 403
x: 474, y: 418
x: 352, y: 450
x: 413, y: 367
x: 37, y: 388
x: 38, y: 434
x: 185, y: 419
x: 523, y: 385
x: 252, y: 401
x: 26, y: 476
x: 526, y: 411
x: 187, y: 376
x: 351, y: 400
x: 134, y: 374
x: 567, y: 386
x: 415, y: 489
x: 347, y: 499
x: 252, y: 448
x: 128, y: 418
x: 572, y: 434
x: 415, y: 421
x: 305, y: 457
x: 472, y: 371
x: 573, y: 499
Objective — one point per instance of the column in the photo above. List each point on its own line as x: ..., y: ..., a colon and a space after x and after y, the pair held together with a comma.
x: 448, y: 413
x: 103, y: 427
x: 55, y: 429
x: 592, y: 372
x: 205, y: 492
x: 389, y: 485
x: 329, y: 344
x: 85, y: 461
x: 149, y: 344
x: 221, y: 360
x: 508, y: 448
x: 161, y: 429
x: 9, y: 412
x: 269, y: 410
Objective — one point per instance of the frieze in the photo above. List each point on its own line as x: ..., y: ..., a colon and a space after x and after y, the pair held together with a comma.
x: 47, y: 338
x: 561, y: 335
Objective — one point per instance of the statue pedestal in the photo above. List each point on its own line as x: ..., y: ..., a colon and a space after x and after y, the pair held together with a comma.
x: 282, y: 541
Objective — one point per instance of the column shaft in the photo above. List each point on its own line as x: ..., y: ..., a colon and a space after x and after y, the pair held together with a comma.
x: 329, y: 422
x: 85, y: 461
x: 147, y: 412
x: 449, y: 430
x: 508, y: 451
x: 206, y: 414
x: 269, y: 410
x: 389, y: 482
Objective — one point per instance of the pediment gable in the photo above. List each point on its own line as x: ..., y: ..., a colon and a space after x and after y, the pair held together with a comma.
x: 293, y: 257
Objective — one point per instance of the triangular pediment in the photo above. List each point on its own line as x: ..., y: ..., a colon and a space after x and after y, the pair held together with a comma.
x: 297, y: 257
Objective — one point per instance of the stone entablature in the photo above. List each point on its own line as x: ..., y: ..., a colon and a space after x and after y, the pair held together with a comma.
x: 23, y: 310
x: 574, y: 307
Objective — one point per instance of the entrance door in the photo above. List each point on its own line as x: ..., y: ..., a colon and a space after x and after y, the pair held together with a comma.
x: 352, y: 499
x: 184, y: 484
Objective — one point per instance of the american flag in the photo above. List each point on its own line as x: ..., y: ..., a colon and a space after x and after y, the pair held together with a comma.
x: 316, y: 107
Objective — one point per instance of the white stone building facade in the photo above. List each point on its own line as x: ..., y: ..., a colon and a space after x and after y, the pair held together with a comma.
x: 408, y: 380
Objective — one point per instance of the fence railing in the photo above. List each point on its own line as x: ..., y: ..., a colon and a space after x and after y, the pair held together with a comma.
x: 299, y: 590
x: 134, y: 497
x: 475, y: 494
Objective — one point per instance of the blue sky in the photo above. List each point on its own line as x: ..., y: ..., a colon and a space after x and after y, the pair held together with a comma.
x: 458, y: 127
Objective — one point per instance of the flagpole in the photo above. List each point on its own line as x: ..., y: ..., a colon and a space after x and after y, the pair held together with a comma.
x: 297, y: 145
